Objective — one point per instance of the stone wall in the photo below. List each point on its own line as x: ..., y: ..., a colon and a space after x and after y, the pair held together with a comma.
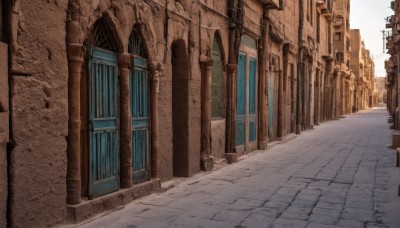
x: 4, y: 126
x: 39, y: 113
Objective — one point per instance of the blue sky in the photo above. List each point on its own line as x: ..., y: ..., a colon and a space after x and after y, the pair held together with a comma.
x: 368, y: 16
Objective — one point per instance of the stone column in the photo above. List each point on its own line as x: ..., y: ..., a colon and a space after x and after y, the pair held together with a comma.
x: 206, y: 159
x: 75, y: 61
x: 155, y: 71
x: 317, y: 98
x: 263, y: 65
x: 280, y: 106
x: 124, y: 62
x: 231, y: 156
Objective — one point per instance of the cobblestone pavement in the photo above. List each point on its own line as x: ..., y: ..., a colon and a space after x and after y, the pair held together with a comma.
x: 339, y: 175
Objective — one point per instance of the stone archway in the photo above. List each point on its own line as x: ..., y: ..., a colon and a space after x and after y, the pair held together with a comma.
x: 101, y: 110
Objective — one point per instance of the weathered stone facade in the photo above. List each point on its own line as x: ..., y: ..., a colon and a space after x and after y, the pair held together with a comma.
x: 392, y: 67
x: 108, y: 99
x: 363, y: 67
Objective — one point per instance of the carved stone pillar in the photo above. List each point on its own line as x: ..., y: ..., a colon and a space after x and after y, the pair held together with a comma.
x: 124, y: 62
x: 231, y: 155
x: 75, y: 61
x: 155, y: 71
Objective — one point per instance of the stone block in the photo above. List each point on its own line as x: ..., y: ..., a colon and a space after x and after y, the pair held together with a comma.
x: 396, y: 139
x: 4, y: 116
x: 231, y: 157
x: 390, y: 120
x: 89, y: 208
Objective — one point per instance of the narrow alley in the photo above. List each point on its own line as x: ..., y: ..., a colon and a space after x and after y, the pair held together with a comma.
x: 341, y: 174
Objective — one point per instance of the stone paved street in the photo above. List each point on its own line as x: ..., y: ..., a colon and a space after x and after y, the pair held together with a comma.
x: 339, y: 175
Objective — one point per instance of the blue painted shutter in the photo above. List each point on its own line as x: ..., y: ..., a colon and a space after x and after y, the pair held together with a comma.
x: 241, y: 100
x: 271, y: 102
x: 139, y: 111
x: 103, y: 114
x: 252, y: 100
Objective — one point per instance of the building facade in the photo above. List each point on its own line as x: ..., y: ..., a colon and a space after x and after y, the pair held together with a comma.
x: 392, y: 64
x: 107, y: 100
x: 363, y: 67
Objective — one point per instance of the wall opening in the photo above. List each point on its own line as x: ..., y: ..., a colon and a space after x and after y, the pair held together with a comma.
x: 99, y: 107
x: 140, y: 112
x: 180, y: 109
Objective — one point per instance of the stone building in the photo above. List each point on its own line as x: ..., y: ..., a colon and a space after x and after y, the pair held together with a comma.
x: 108, y: 99
x: 380, y: 90
x: 362, y: 65
x: 344, y: 81
x: 392, y: 64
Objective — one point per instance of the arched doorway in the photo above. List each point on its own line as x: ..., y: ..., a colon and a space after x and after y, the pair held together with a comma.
x: 180, y: 108
x: 101, y: 112
x: 246, y: 96
x: 218, y: 113
x: 139, y: 93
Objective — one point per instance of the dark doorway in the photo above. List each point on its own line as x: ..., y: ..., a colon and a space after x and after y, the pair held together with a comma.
x: 180, y: 109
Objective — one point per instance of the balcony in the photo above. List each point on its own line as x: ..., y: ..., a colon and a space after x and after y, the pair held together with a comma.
x: 322, y: 4
x: 273, y: 4
x: 389, y: 22
x: 326, y: 7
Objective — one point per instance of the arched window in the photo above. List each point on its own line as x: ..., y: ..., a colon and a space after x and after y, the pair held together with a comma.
x: 216, y: 82
x: 101, y: 37
x: 139, y: 108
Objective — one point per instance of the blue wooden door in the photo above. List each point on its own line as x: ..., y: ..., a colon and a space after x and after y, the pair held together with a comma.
x: 140, y: 123
x: 271, y: 103
x: 103, y: 114
x: 241, y: 100
x: 252, y: 100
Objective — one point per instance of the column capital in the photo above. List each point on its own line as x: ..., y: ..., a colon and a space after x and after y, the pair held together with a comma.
x: 231, y: 68
x: 155, y: 69
x: 206, y: 61
x: 75, y: 51
x: 124, y: 60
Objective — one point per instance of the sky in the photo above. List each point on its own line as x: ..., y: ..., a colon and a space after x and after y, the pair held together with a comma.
x: 369, y: 16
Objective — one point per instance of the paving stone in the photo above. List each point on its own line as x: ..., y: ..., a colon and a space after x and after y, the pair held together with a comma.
x: 288, y: 223
x: 163, y: 214
x: 275, y: 204
x: 334, y: 213
x: 330, y: 205
x: 319, y: 225
x: 258, y: 220
x: 192, y: 222
x: 324, y: 219
x: 350, y: 223
x: 204, y: 212
x: 282, y: 198
x: 358, y: 214
x: 231, y: 216
x: 245, y: 204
